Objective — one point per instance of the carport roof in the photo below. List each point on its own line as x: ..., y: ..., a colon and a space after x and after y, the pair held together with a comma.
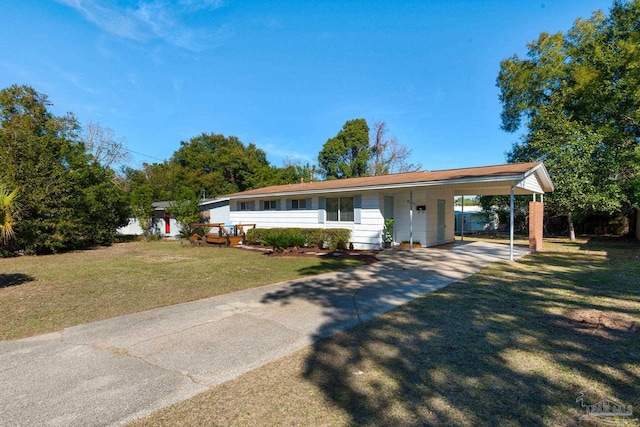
x: 526, y: 178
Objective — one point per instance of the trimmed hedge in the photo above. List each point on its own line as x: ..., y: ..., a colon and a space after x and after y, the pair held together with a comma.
x: 322, y: 238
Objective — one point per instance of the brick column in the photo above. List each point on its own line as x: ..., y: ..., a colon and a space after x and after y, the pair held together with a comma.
x: 536, y: 216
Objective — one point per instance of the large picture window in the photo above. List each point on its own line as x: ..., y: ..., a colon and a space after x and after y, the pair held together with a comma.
x: 340, y: 209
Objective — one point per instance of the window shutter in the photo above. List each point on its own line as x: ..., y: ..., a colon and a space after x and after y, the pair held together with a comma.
x: 252, y: 206
x: 357, y: 210
x: 260, y: 205
x: 309, y: 203
x: 288, y: 204
x: 278, y: 205
x: 321, y: 210
x: 237, y: 206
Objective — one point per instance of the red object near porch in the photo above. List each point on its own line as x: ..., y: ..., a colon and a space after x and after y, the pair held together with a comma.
x: 167, y: 223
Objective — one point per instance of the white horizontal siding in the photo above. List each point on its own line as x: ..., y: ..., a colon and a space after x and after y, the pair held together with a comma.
x: 219, y: 214
x: 366, y: 235
x: 531, y: 183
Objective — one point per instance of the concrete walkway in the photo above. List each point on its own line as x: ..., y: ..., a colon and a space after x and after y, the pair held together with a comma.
x: 114, y: 371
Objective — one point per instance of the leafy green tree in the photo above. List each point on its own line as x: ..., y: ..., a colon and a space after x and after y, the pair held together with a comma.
x: 219, y: 165
x: 576, y: 95
x: 293, y: 171
x: 347, y: 154
x: 142, y: 208
x: 186, y: 210
x: 68, y: 199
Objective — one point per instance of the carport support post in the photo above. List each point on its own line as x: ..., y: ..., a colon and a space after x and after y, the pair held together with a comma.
x: 462, y: 221
x: 511, y: 226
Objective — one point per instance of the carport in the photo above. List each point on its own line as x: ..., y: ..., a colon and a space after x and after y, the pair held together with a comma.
x: 503, y: 180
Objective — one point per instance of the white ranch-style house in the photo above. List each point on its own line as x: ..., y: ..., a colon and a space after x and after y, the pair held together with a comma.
x: 421, y: 203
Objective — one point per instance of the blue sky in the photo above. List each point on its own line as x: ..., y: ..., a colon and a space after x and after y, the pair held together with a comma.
x: 285, y: 75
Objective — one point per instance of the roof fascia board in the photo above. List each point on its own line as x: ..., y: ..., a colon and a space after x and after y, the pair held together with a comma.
x: 212, y: 201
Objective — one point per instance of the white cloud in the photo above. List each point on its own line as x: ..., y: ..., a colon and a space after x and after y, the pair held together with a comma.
x: 150, y: 20
x: 196, y: 5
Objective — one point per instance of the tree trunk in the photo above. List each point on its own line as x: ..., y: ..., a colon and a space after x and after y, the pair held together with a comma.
x: 572, y: 231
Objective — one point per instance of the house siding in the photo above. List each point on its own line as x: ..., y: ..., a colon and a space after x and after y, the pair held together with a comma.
x: 532, y: 184
x: 364, y: 235
x: 217, y: 212
x: 432, y: 217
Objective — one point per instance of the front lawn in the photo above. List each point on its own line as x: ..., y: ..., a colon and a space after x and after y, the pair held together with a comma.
x: 514, y: 345
x: 41, y: 294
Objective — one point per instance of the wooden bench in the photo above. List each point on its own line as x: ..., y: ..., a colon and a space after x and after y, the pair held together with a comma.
x: 223, y: 236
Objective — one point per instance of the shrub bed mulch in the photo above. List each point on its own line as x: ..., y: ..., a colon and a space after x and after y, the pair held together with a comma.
x: 367, y: 257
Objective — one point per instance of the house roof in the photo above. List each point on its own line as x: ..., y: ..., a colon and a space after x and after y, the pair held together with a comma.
x: 494, y: 180
x: 161, y: 206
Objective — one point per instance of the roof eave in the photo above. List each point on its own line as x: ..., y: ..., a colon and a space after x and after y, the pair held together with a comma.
x: 514, y: 178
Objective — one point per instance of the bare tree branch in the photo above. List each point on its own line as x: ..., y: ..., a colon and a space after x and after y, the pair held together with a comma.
x: 388, y: 155
x: 107, y: 149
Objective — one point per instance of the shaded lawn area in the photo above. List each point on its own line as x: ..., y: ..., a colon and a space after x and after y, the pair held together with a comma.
x: 46, y: 293
x: 513, y: 345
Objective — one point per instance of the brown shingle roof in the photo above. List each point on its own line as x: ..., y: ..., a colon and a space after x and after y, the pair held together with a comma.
x: 484, y: 172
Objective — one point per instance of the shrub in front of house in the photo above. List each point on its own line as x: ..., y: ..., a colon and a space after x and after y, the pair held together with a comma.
x: 329, y: 238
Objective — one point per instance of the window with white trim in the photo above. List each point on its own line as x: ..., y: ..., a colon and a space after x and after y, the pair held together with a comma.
x: 269, y: 205
x: 340, y: 209
x: 299, y: 204
x: 243, y: 206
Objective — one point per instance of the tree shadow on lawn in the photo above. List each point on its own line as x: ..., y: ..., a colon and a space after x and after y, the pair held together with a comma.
x: 512, y: 345
x: 14, y: 279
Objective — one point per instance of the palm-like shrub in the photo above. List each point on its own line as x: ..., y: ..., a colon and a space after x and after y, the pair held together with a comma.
x: 8, y: 213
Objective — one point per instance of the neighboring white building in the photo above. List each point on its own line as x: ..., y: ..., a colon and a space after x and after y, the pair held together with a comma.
x: 163, y: 225
x: 474, y: 219
x: 421, y: 203
x: 216, y: 210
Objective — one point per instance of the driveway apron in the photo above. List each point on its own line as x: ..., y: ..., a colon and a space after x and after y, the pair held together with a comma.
x: 114, y: 371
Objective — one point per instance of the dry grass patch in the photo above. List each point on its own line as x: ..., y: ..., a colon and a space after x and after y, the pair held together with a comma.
x: 513, y: 345
x: 46, y: 293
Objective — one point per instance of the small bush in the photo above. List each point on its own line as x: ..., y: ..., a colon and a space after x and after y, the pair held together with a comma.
x: 330, y: 238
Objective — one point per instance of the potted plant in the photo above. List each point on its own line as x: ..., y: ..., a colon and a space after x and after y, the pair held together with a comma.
x: 387, y: 233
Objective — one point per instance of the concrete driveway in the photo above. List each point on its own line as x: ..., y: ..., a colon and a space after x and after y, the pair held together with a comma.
x: 114, y: 371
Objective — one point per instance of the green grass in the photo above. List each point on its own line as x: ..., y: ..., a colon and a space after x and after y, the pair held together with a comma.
x: 46, y: 293
x: 513, y: 345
